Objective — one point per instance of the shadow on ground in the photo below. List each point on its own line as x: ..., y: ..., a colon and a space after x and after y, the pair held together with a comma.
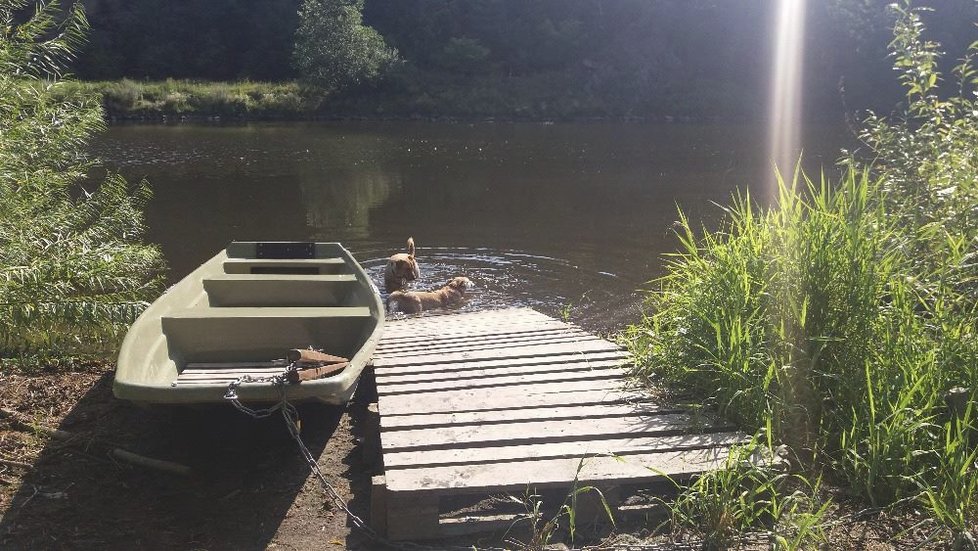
x: 249, y: 487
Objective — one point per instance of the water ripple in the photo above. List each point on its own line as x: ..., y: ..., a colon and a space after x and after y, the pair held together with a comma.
x: 598, y: 301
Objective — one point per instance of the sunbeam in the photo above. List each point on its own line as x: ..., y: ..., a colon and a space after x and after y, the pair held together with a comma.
x: 786, y: 92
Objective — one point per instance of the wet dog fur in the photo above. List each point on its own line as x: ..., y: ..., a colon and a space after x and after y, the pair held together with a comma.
x: 402, y: 268
x: 417, y: 301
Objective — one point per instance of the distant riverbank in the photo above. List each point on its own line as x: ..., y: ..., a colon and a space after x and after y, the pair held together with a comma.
x: 442, y: 98
x: 194, y: 100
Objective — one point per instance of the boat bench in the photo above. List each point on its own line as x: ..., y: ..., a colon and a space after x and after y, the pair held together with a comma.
x: 309, y: 266
x: 280, y: 290
x: 226, y: 372
x: 239, y: 334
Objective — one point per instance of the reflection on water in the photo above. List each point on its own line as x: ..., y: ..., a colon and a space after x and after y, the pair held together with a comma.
x: 596, y: 300
x: 341, y: 180
x: 336, y: 201
x: 562, y: 217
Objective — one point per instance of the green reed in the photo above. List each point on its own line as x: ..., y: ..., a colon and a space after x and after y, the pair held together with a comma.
x: 544, y: 523
x: 807, y: 318
x: 843, y: 319
x: 748, y: 496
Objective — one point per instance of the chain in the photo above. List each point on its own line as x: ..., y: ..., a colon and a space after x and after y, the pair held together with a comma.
x: 278, y: 381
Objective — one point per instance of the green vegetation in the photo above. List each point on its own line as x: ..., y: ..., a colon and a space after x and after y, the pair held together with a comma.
x: 546, y: 59
x: 545, y: 524
x: 843, y: 320
x: 129, y: 99
x: 334, y: 50
x: 741, y: 497
x: 528, y: 98
x: 73, y: 272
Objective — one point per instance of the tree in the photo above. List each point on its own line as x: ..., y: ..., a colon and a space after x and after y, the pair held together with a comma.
x: 464, y: 55
x: 334, y: 50
x: 73, y: 270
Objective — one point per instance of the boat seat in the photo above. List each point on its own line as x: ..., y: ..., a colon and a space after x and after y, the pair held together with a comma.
x: 270, y: 312
x: 280, y: 290
x: 286, y: 277
x: 263, y: 333
x: 206, y: 374
x: 296, y: 266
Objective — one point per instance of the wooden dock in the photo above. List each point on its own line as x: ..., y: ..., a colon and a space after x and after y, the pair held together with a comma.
x: 498, y: 402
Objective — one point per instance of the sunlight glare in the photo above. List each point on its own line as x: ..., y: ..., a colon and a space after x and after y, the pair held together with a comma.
x: 786, y: 100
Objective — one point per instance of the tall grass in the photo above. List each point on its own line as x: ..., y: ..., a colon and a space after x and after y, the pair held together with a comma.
x: 841, y: 318
x: 807, y: 318
x: 741, y: 497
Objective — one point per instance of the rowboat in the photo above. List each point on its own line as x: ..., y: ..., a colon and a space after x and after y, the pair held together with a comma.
x: 261, y: 317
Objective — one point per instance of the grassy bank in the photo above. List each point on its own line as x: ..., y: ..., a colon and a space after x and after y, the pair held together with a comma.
x: 406, y: 94
x: 175, y: 99
x: 842, y: 323
x: 809, y: 325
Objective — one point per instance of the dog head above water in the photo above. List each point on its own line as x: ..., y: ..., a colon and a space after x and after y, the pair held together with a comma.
x: 460, y: 284
x: 401, y: 269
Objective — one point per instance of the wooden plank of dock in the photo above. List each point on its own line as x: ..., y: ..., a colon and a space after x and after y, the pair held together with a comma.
x: 499, y: 401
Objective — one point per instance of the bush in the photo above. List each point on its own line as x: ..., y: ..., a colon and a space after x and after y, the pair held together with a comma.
x: 73, y: 270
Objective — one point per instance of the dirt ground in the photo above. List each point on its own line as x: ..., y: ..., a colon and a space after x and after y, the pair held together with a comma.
x: 248, y: 486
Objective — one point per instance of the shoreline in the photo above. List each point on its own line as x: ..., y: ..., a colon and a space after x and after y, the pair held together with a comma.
x: 183, y: 101
x: 164, y: 119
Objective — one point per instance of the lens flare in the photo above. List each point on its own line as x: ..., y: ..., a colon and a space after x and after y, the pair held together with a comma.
x: 786, y: 92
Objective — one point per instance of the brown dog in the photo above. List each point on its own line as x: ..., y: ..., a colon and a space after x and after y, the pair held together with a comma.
x: 416, y: 301
x: 401, y: 268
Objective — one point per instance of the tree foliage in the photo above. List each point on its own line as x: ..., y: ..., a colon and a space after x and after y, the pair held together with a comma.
x: 334, y: 50
x: 699, y: 58
x: 928, y: 158
x: 73, y: 271
x: 214, y: 40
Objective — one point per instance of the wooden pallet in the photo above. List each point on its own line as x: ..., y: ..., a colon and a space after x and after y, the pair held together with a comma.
x: 498, y: 402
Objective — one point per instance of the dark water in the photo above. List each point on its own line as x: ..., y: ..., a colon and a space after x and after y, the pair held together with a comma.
x: 566, y: 218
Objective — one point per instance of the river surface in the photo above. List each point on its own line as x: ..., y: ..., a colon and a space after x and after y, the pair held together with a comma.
x: 571, y: 219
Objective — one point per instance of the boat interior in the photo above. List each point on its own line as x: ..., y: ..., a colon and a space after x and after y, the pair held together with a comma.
x: 241, y: 311
x: 263, y: 301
